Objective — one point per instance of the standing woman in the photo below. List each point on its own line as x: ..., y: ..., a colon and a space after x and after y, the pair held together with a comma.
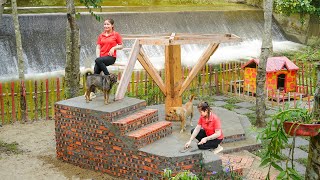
x: 208, y: 130
x: 107, y: 45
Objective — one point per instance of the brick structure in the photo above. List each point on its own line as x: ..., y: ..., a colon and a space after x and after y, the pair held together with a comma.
x: 107, y: 138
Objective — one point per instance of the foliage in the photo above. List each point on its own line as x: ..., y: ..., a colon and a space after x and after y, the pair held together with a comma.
x: 301, y: 7
x: 92, y: 4
x: 274, y: 134
x: 305, y: 54
x: 226, y: 173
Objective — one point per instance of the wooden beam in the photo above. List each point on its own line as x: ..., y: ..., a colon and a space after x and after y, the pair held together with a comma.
x: 147, y: 65
x: 204, y: 40
x: 135, y: 36
x: 154, y: 41
x: 205, y: 56
x: 126, y: 75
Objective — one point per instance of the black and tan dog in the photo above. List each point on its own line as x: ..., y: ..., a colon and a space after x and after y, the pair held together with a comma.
x: 182, y: 113
x: 103, y: 82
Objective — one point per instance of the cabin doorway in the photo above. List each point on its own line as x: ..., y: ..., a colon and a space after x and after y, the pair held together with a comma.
x: 281, y: 82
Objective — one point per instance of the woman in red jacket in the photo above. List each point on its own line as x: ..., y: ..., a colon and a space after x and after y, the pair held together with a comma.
x: 208, y: 130
x: 107, y: 45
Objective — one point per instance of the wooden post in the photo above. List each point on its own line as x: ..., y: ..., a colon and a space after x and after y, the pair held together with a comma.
x: 172, y: 76
x: 2, y: 104
x: 13, y: 110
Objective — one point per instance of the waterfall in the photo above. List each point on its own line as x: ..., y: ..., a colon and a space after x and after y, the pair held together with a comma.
x: 43, y: 37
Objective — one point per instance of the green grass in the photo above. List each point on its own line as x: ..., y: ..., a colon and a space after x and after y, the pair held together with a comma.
x: 9, y: 148
x: 230, y: 107
x: 303, y: 161
x: 233, y: 100
x: 305, y: 148
x: 252, y: 118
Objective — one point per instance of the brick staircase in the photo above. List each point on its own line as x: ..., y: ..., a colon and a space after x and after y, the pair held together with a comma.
x: 128, y: 140
x: 143, y: 127
x: 109, y: 138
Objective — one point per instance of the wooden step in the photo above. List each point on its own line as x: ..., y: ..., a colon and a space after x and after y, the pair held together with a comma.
x: 150, y: 133
x: 136, y: 120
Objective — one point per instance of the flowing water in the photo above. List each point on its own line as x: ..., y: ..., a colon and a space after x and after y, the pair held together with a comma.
x: 43, y: 37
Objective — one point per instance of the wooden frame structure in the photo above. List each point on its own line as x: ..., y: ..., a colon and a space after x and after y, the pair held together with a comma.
x: 174, y: 86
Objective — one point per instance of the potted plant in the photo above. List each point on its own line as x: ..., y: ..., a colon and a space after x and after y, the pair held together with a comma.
x: 289, y: 121
x: 299, y: 122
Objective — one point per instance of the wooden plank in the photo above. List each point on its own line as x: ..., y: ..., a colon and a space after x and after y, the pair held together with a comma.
x: 58, y: 89
x: 13, y: 109
x: 124, y: 81
x: 53, y: 96
x: 36, y: 108
x: 135, y: 36
x: 154, y: 41
x: 133, y: 83
x: 18, y: 102
x: 24, y: 102
x: 7, y: 102
x: 42, y: 98
x: 2, y: 104
x: 204, y: 41
x: 31, y: 115
x: 47, y: 99
x: 147, y: 65
x: 201, y: 62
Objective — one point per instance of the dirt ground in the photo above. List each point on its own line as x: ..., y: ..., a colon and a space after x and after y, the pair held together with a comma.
x: 38, y: 159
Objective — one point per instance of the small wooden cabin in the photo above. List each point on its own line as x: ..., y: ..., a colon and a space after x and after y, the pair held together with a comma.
x: 281, y: 74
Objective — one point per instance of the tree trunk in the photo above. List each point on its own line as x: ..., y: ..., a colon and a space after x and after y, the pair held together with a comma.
x: 72, y: 70
x: 266, y: 51
x: 23, y: 102
x: 2, y: 2
x: 313, y: 166
x: 18, y: 39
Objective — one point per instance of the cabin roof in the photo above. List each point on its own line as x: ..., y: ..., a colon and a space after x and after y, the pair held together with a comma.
x: 275, y: 64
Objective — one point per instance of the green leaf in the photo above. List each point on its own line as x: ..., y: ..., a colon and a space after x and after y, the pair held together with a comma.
x: 294, y: 177
x: 265, y: 162
x: 276, y: 166
x: 281, y: 175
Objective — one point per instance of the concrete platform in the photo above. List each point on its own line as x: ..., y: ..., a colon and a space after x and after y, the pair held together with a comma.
x: 231, y: 123
x: 97, y: 103
x: 234, y: 133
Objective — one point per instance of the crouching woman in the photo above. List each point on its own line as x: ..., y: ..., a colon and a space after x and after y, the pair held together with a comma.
x: 208, y: 130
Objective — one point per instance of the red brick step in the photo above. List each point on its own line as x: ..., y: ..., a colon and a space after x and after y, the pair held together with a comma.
x: 136, y: 120
x: 150, y: 133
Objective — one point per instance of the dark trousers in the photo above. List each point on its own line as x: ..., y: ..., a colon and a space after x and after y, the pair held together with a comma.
x: 102, y: 63
x: 212, y: 144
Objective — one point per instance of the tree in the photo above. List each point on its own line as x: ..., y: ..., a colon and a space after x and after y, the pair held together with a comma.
x: 313, y: 165
x: 312, y: 8
x: 18, y: 39
x: 266, y: 51
x: 72, y: 70
x: 23, y: 101
x: 303, y: 8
